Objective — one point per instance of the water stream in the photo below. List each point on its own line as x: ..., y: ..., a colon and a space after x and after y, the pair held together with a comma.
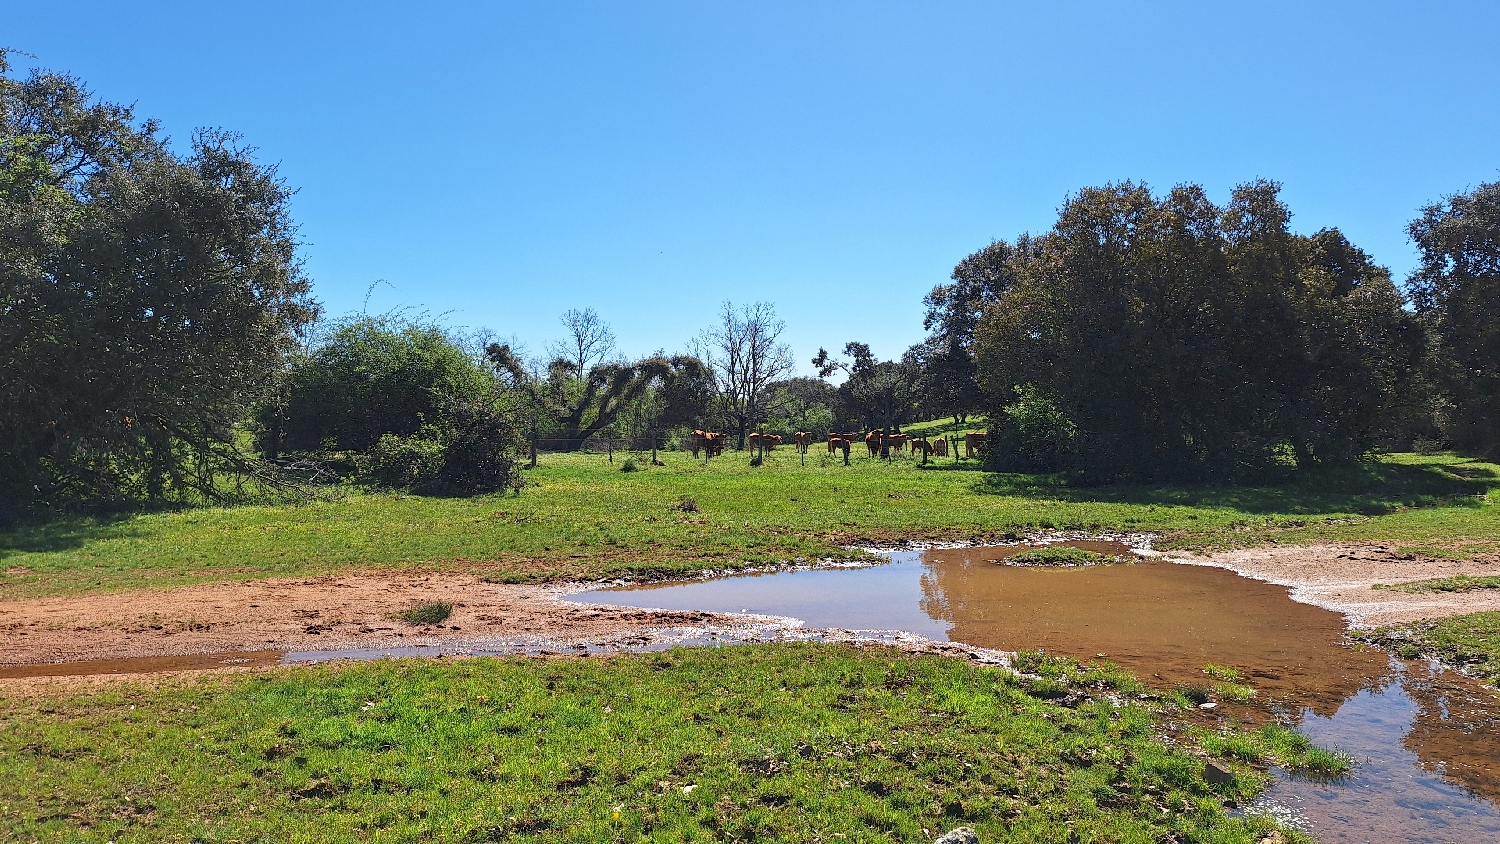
x: 1427, y: 740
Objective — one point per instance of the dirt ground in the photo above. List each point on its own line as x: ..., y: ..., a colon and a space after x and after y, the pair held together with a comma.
x: 307, y: 614
x: 1341, y: 578
x: 254, y: 622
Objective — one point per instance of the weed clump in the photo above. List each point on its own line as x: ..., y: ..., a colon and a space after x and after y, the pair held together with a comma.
x: 431, y: 613
x: 1456, y: 583
x: 1056, y: 555
x: 686, y: 505
x: 629, y: 465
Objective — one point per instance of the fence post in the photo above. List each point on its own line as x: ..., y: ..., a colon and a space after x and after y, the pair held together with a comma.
x: 653, y: 447
x: 533, y: 446
x: 609, y: 444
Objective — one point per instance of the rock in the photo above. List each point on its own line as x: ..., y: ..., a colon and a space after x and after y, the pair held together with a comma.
x: 1214, y: 774
x: 962, y: 835
x: 1209, y: 705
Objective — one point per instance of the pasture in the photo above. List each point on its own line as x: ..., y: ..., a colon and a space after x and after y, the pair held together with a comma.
x: 856, y: 744
x: 580, y: 517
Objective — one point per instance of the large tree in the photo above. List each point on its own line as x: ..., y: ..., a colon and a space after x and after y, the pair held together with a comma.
x: 1170, y: 337
x: 1457, y: 289
x: 746, y: 356
x: 949, y: 382
x: 147, y: 298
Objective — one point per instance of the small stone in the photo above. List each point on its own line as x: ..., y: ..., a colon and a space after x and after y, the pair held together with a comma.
x: 962, y: 835
x: 1209, y: 705
x: 1214, y: 775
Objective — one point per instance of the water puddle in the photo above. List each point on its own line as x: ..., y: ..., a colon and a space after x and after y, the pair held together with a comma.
x: 1427, y: 739
x: 143, y: 665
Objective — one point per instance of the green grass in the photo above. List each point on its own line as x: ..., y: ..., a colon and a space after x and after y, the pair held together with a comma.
x: 774, y: 742
x: 1456, y: 583
x: 1469, y: 642
x: 427, y: 613
x: 582, y: 518
x: 1057, y: 555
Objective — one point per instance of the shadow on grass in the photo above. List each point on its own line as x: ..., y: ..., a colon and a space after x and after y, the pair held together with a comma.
x: 61, y: 533
x: 1371, y: 488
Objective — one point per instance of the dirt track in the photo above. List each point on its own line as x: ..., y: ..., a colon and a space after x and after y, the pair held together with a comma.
x: 303, y: 614
x: 1341, y: 577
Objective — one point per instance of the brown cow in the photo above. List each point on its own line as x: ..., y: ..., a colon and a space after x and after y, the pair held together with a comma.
x: 920, y: 445
x: 974, y: 442
x: 802, y: 439
x: 940, y: 447
x: 872, y: 441
x: 710, y: 443
x: 837, y: 443
x: 897, y: 441
x: 714, y: 444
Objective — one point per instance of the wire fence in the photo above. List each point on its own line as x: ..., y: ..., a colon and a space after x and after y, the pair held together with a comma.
x: 925, y: 449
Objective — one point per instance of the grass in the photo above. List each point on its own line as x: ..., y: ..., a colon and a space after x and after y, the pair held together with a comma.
x: 1456, y: 583
x: 432, y: 613
x: 580, y: 517
x: 1468, y: 642
x: 867, y: 744
x: 1057, y: 555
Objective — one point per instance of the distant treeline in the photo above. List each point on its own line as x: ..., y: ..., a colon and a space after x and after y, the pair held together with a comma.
x: 159, y: 342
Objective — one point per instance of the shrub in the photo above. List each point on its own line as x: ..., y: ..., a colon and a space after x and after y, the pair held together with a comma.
x: 431, y: 613
x: 629, y: 465
x: 1056, y: 555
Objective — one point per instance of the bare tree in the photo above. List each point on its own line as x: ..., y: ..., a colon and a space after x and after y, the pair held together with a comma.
x: 590, y: 341
x: 746, y: 355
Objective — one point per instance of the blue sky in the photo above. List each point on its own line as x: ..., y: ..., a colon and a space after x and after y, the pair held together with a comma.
x: 500, y: 163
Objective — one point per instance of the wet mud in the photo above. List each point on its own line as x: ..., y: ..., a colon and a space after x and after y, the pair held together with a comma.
x: 1427, y: 740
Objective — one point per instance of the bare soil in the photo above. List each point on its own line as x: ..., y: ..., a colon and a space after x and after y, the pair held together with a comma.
x: 305, y: 614
x: 1342, y: 578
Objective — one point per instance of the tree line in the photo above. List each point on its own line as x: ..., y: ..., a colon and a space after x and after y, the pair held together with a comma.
x: 159, y: 341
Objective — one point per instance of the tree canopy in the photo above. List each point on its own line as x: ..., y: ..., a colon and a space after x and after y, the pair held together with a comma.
x: 1170, y: 337
x: 147, y: 298
x: 1457, y: 289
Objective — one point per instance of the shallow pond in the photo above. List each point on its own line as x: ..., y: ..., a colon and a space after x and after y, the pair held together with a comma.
x: 1427, y: 739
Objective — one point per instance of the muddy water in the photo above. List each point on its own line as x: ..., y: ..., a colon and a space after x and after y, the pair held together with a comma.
x: 143, y: 665
x: 1428, y: 741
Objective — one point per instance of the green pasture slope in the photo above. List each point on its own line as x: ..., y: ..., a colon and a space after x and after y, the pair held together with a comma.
x: 752, y: 743
x: 580, y: 517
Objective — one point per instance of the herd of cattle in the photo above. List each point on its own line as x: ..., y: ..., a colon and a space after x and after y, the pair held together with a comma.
x: 711, y: 443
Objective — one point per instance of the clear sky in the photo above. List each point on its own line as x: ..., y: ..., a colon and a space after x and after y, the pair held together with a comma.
x: 500, y: 162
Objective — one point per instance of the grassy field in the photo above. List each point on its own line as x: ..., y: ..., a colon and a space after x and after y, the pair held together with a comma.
x: 1468, y: 642
x: 580, y: 517
x: 849, y: 744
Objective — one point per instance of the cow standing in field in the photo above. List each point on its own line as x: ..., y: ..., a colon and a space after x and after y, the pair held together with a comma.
x: 897, y: 441
x: 709, y: 442
x: 802, y: 439
x: 872, y: 441
x: 974, y: 443
x: 838, y: 443
x: 940, y: 447
x: 919, y: 445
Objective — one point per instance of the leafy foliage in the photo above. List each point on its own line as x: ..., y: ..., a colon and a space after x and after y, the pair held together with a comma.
x: 1175, y: 338
x: 146, y: 300
x: 1457, y: 289
x: 416, y: 410
x: 366, y: 377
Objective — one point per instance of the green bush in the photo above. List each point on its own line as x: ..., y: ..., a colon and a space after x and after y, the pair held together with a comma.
x: 432, y: 613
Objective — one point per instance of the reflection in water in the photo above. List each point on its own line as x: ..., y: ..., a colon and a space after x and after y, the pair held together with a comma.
x: 1426, y: 739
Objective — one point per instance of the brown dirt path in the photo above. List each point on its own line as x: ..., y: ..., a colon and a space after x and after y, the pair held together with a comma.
x: 303, y: 614
x: 1342, y: 577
